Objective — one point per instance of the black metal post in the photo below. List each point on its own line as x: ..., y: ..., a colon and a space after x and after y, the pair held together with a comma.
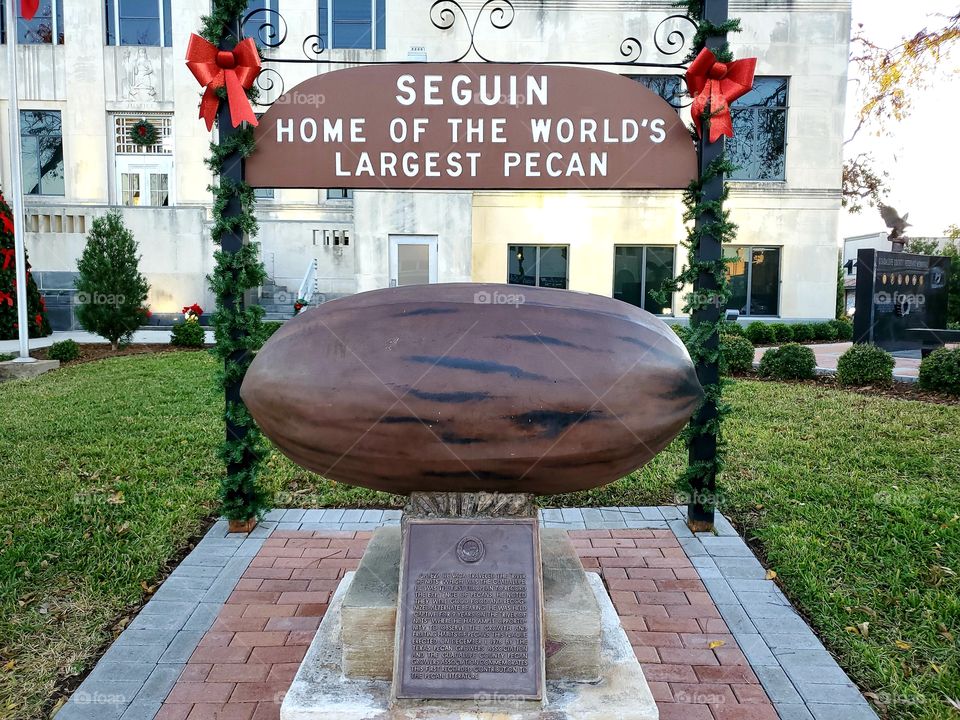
x: 703, y: 448
x: 232, y: 242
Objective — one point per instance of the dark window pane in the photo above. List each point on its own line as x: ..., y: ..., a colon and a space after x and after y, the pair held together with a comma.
x: 261, y: 26
x: 139, y: 9
x: 659, y: 269
x: 324, y: 16
x: 340, y: 194
x: 381, y: 24
x: 167, y: 24
x: 628, y: 274
x: 351, y: 35
x: 553, y: 267
x: 111, y: 23
x: 670, y: 87
x: 351, y: 10
x: 765, y: 282
x: 39, y: 30
x: 352, y: 23
x: 522, y: 264
x: 140, y: 32
x: 758, y: 147
x: 42, y: 161
x: 737, y: 273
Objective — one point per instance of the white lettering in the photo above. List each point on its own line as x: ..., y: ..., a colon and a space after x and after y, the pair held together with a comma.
x: 659, y: 134
x: 332, y: 130
x: 431, y: 90
x: 407, y: 95
x: 510, y: 161
x: 285, y: 130
x: 356, y: 130
x: 308, y: 130
x: 461, y: 95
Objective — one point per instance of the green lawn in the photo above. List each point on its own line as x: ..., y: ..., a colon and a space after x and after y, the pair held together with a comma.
x: 107, y: 469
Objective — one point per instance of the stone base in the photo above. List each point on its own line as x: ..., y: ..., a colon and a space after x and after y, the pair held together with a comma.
x: 571, y: 617
x: 320, y: 691
x: 12, y: 370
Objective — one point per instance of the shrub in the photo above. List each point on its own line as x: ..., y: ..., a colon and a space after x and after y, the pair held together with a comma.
x: 782, y: 333
x: 760, y: 333
x: 736, y: 354
x: 269, y: 328
x: 187, y: 334
x: 940, y: 371
x: 682, y: 331
x: 6, y: 357
x: 111, y: 289
x: 865, y: 365
x: 844, y: 329
x: 789, y: 362
x: 802, y: 332
x: 824, y: 332
x: 64, y: 351
x: 733, y: 328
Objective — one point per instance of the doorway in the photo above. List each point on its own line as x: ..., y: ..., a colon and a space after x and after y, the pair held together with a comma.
x: 413, y: 260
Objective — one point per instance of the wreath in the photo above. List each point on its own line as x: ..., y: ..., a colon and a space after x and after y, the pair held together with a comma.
x: 143, y: 133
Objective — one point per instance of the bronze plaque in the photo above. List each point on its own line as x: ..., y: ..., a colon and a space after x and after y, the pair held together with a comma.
x: 469, y: 625
x: 462, y: 126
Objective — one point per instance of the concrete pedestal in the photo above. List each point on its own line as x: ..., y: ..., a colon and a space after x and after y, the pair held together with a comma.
x: 12, y: 370
x: 592, y: 672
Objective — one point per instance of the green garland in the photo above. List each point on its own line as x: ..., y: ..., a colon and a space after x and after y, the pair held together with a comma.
x: 238, y: 329
x: 706, y: 218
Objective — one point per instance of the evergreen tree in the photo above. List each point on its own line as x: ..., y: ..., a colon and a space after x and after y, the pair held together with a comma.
x: 36, y: 308
x: 111, y: 290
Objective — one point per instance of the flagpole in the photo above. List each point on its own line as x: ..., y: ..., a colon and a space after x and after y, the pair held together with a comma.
x: 16, y: 184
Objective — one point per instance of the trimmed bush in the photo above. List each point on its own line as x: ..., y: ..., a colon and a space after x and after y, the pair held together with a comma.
x: 760, y: 333
x: 789, y: 362
x: 940, y: 371
x: 782, y: 333
x: 824, y: 332
x: 682, y: 331
x: 736, y: 354
x: 865, y: 365
x: 733, y: 328
x: 64, y: 351
x: 802, y: 332
x: 6, y: 357
x: 844, y: 329
x: 269, y: 328
x: 187, y: 334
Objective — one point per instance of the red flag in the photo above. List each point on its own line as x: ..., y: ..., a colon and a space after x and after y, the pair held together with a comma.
x: 28, y: 8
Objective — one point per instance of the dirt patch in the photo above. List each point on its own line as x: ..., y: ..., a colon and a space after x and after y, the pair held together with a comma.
x: 90, y: 352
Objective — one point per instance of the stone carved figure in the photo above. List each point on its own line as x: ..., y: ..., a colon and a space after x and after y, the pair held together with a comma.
x: 143, y: 83
x: 898, y: 225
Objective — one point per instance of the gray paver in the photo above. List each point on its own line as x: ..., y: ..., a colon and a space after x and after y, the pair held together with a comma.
x: 679, y: 528
x: 756, y: 651
x: 352, y: 516
x: 332, y: 515
x: 671, y: 512
x: 591, y: 517
x: 372, y: 516
x: 551, y: 515
x: 777, y: 685
x: 203, y: 617
x: 140, y: 710
x: 841, y: 712
x: 313, y: 516
x: 160, y: 682
x: 737, y: 619
x: 123, y: 671
x: 793, y: 711
x: 292, y: 516
x: 785, y: 642
x: 160, y: 638
x: 740, y: 567
x: 182, y: 647
x: 572, y: 515
x: 720, y: 592
x: 726, y: 546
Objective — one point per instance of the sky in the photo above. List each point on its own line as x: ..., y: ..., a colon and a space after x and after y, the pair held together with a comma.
x: 922, y: 151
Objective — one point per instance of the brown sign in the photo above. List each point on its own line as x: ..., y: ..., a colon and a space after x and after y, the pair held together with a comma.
x: 471, y: 126
x: 470, y: 610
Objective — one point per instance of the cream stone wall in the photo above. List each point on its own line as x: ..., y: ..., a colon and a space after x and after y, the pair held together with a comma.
x: 87, y: 82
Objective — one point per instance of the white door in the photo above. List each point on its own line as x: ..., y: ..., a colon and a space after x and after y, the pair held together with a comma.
x: 143, y: 183
x: 413, y: 260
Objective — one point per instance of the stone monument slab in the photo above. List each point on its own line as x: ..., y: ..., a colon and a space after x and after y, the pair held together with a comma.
x: 470, y: 610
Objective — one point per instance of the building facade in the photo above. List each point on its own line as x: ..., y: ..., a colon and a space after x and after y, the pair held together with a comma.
x: 91, y: 70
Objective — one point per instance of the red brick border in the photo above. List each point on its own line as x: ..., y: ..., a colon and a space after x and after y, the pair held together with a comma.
x: 246, y: 661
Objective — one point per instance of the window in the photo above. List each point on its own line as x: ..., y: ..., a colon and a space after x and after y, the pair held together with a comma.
x: 261, y: 26
x: 143, y: 172
x: 339, y: 194
x: 754, y: 280
x: 358, y: 24
x: 123, y: 124
x: 538, y: 265
x: 41, y: 139
x: 264, y: 193
x: 46, y: 25
x: 139, y: 22
x: 759, y: 142
x: 639, y: 272
x: 671, y: 88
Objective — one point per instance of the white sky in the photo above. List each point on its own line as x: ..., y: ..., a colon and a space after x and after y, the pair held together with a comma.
x: 921, y: 152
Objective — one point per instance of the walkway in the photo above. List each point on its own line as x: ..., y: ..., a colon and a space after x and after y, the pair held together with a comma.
x: 224, y: 635
x: 146, y: 337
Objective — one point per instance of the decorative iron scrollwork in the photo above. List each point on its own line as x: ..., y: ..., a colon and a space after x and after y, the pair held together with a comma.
x: 443, y: 15
x: 271, y: 32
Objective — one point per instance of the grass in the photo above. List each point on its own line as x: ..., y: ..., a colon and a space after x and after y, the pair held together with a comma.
x: 108, y: 468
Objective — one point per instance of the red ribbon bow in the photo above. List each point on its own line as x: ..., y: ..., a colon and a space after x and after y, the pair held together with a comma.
x: 717, y: 84
x: 28, y: 8
x: 236, y: 69
x: 5, y: 297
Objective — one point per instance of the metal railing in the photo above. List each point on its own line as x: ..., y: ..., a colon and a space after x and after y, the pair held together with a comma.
x: 309, y: 284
